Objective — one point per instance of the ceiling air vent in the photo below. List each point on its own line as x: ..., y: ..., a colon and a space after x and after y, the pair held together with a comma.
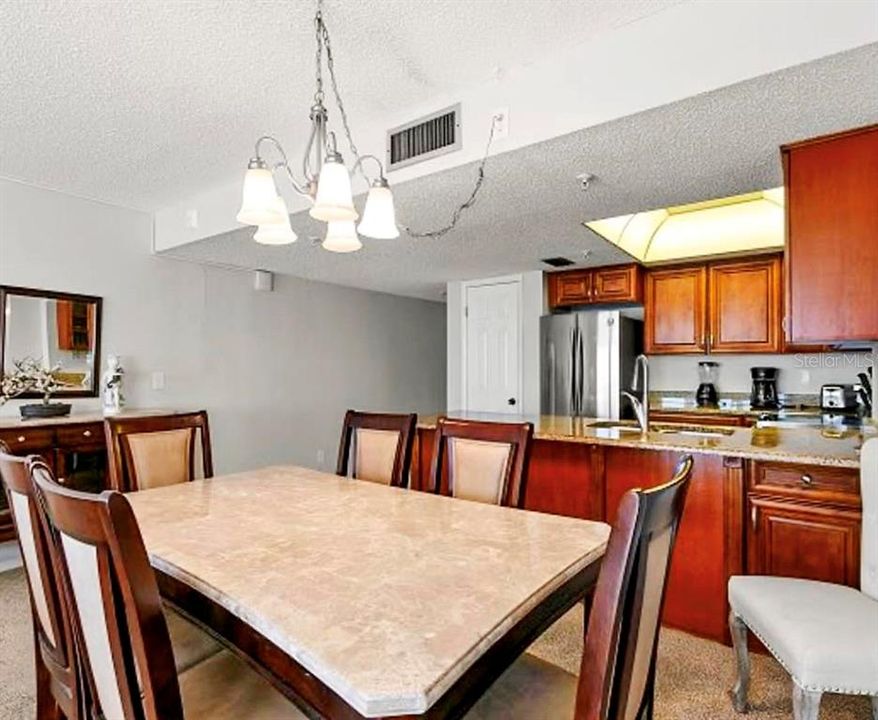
x: 558, y: 261
x: 425, y: 138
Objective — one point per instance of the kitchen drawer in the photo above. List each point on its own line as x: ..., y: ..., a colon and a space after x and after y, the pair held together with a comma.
x: 807, y: 482
x: 24, y: 440
x: 88, y: 436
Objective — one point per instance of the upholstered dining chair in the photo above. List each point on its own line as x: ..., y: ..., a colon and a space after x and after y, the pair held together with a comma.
x: 126, y: 655
x: 824, y: 635
x: 376, y: 447
x: 156, y: 450
x: 57, y: 681
x: 617, y: 672
x: 481, y: 461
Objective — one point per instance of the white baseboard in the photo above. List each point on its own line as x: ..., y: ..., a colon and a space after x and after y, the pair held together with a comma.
x: 10, y: 558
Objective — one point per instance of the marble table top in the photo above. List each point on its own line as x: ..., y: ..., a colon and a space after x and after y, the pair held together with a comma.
x: 386, y: 595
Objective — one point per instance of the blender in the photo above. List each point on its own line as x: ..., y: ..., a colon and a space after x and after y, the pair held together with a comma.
x: 707, y: 395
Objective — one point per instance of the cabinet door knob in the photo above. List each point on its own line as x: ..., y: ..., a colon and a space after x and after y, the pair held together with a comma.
x: 807, y: 480
x: 87, y: 433
x: 21, y: 438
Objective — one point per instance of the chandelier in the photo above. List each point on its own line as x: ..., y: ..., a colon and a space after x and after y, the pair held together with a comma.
x: 326, y: 182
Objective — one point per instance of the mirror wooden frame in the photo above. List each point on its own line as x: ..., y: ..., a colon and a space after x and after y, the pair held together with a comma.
x: 7, y: 290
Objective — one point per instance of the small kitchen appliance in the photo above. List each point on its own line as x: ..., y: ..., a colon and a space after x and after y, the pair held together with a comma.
x: 707, y: 395
x: 838, y: 398
x: 763, y: 396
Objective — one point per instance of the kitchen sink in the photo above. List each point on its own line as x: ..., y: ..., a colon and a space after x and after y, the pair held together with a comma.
x: 665, y: 428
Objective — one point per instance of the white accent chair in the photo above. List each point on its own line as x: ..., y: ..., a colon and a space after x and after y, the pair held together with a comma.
x: 824, y: 635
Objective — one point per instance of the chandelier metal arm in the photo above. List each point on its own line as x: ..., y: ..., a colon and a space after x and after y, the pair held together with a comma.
x: 359, y: 166
x: 284, y: 164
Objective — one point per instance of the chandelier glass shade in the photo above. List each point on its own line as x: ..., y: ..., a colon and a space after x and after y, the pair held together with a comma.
x: 379, y: 215
x: 341, y: 237
x: 334, y: 200
x: 259, y: 197
x: 280, y: 233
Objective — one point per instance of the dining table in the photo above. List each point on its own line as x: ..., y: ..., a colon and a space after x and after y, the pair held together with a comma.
x: 360, y: 600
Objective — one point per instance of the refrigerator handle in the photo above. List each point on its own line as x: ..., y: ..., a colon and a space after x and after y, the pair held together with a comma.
x: 572, y: 389
x: 581, y: 388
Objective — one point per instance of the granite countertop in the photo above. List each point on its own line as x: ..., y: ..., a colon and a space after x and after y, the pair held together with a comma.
x: 807, y: 445
x: 76, y: 418
x: 385, y: 595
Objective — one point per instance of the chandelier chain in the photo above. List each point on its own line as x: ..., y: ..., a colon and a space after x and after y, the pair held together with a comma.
x: 469, y: 202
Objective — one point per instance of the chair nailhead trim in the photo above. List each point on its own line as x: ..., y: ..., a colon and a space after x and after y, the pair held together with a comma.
x: 810, y: 688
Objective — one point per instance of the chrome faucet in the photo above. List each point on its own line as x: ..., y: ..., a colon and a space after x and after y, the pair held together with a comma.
x: 639, y: 395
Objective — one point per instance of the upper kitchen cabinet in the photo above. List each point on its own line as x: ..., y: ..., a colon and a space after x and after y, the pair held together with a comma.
x: 832, y: 237
x: 607, y: 285
x: 676, y: 310
x: 731, y: 306
x: 745, y: 306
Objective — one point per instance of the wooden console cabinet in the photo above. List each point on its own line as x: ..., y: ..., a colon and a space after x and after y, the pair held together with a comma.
x: 76, y: 452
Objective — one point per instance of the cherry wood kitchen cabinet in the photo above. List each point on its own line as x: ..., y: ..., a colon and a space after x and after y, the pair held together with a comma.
x: 709, y: 546
x: 729, y: 306
x: 804, y: 522
x: 832, y: 237
x: 701, y: 418
x: 566, y: 478
x: 745, y: 306
x: 675, y: 302
x: 607, y: 285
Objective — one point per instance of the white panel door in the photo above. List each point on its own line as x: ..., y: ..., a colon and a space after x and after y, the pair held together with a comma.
x: 492, y: 359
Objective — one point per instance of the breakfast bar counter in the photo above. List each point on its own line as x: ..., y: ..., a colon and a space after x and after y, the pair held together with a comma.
x: 834, y: 447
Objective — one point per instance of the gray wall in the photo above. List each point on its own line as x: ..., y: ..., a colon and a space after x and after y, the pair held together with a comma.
x: 276, y: 371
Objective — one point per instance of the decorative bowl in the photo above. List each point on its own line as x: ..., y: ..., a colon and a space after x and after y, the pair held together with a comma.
x: 45, y: 410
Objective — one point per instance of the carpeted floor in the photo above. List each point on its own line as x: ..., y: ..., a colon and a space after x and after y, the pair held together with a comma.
x: 692, y: 677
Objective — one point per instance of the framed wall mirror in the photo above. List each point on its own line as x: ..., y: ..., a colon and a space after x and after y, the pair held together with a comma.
x: 61, y: 331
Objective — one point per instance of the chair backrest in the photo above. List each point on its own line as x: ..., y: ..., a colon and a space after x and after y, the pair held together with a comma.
x: 869, y: 493
x: 482, y: 461
x: 618, y: 664
x: 158, y: 450
x: 376, y: 447
x: 115, y: 609
x: 51, y: 620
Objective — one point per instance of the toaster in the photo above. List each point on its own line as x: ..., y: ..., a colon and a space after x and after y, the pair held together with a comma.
x: 838, y: 398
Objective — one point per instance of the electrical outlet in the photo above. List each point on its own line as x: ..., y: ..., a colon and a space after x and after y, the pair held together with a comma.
x: 158, y: 380
x: 321, y: 458
x: 501, y: 123
x: 805, y: 377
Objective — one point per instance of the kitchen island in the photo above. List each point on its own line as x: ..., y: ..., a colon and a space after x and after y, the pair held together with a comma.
x: 780, y: 501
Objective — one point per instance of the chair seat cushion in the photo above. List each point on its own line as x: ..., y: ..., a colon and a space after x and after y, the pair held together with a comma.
x: 190, y: 643
x: 825, y: 635
x: 224, y: 687
x: 531, y: 689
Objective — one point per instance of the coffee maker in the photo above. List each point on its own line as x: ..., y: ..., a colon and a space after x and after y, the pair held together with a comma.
x: 763, y: 396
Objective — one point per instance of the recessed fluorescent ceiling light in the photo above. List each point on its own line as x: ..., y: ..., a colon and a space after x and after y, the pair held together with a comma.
x: 741, y: 223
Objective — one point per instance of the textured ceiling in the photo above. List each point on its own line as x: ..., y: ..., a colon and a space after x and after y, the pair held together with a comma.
x: 711, y: 145
x: 140, y: 103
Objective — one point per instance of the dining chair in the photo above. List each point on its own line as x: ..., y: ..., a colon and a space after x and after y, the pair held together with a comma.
x: 126, y: 655
x: 57, y: 684
x: 376, y: 447
x: 823, y: 634
x: 617, y: 671
x: 481, y: 461
x: 157, y: 450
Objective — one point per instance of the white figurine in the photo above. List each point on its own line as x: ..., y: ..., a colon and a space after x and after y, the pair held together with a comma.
x: 112, y: 382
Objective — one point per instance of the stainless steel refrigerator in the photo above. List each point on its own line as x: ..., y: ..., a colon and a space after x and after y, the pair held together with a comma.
x: 587, y: 359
